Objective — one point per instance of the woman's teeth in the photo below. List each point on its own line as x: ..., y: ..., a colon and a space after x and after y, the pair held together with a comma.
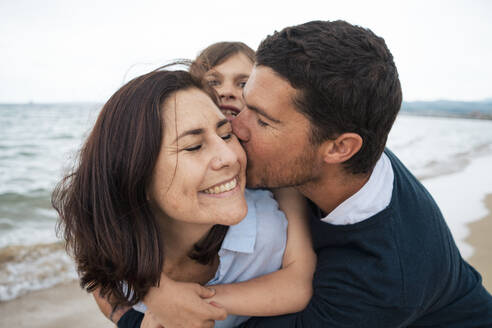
x: 222, y: 188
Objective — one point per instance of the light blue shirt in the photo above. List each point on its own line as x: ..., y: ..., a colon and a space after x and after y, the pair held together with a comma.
x: 253, y: 247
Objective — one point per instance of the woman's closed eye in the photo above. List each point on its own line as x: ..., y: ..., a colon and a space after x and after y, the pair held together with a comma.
x: 193, y: 148
x: 227, y: 136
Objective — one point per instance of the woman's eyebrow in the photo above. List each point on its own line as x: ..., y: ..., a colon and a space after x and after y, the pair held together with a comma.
x: 222, y: 122
x: 195, y: 132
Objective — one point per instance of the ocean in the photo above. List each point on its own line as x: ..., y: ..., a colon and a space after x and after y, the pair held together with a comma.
x: 38, y: 143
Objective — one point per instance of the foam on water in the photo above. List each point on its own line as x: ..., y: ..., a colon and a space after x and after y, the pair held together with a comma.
x: 28, y: 268
x: 432, y: 146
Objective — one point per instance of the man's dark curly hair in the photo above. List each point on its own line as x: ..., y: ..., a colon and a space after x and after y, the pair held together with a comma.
x: 346, y: 81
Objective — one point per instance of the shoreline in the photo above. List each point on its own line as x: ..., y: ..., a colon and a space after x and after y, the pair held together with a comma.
x: 481, y: 242
x: 64, y: 305
x: 460, y: 197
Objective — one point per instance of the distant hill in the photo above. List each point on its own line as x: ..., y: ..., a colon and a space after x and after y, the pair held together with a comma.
x: 470, y: 109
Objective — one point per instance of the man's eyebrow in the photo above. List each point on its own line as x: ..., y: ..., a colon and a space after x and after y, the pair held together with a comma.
x: 195, y: 132
x: 261, y: 112
x: 242, y: 76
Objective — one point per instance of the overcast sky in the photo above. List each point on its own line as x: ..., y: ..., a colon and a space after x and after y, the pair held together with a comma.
x: 67, y: 50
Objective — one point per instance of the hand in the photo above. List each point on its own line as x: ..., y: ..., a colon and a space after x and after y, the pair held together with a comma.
x: 149, y: 321
x: 179, y: 304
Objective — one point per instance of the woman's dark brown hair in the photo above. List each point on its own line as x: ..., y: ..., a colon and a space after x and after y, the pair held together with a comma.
x: 105, y: 217
x: 216, y: 54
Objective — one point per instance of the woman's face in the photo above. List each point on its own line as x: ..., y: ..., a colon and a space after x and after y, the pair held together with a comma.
x: 199, y: 176
x: 228, y: 79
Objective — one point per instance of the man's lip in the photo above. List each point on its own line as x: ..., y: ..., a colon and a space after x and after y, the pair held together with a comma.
x: 235, y: 109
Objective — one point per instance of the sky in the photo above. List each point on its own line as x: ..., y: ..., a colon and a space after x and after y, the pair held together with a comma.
x: 72, y: 51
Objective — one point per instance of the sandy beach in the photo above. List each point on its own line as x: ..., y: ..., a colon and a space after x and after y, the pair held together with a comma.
x: 479, y: 238
x: 68, y: 306
x: 58, y: 307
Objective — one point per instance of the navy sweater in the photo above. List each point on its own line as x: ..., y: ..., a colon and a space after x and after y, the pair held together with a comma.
x: 399, y: 268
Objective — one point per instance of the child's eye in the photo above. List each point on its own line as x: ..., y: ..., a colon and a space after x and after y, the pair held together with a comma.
x: 227, y: 136
x: 195, y: 148
x: 213, y: 83
x: 242, y: 84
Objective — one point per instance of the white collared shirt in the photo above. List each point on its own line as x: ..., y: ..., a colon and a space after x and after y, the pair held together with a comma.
x: 371, y: 199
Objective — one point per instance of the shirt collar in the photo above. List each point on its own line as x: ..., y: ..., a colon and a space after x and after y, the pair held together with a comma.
x: 371, y: 199
x: 242, y: 236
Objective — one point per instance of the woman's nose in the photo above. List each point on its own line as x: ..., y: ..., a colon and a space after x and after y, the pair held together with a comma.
x: 224, y: 156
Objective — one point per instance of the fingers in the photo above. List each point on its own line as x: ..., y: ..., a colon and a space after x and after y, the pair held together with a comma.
x: 217, y: 312
x: 205, y: 292
x: 187, y: 307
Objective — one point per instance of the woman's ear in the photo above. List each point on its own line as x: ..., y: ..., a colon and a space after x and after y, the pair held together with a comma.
x: 342, y: 148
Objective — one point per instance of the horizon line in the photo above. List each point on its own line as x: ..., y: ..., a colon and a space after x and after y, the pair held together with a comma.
x: 489, y: 99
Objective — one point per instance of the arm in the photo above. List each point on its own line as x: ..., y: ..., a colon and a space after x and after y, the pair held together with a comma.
x: 284, y: 291
x: 112, y: 313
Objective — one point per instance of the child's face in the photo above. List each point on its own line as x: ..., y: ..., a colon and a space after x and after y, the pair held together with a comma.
x: 228, y: 79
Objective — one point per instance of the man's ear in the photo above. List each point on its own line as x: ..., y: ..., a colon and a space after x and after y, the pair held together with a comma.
x: 341, y: 149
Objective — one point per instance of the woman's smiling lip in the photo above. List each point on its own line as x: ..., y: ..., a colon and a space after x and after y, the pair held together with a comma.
x: 222, y: 188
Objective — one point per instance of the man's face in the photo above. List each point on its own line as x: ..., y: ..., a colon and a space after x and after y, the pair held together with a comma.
x: 274, y: 134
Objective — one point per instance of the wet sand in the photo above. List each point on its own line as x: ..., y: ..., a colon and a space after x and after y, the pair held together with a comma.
x: 480, y: 238
x: 58, y: 307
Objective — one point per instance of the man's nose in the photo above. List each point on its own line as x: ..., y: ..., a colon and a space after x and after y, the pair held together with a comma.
x: 239, y: 126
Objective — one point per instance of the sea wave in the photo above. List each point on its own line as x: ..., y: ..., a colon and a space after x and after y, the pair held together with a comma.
x: 28, y: 268
x: 432, y: 147
x: 22, y: 207
x: 36, y: 143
